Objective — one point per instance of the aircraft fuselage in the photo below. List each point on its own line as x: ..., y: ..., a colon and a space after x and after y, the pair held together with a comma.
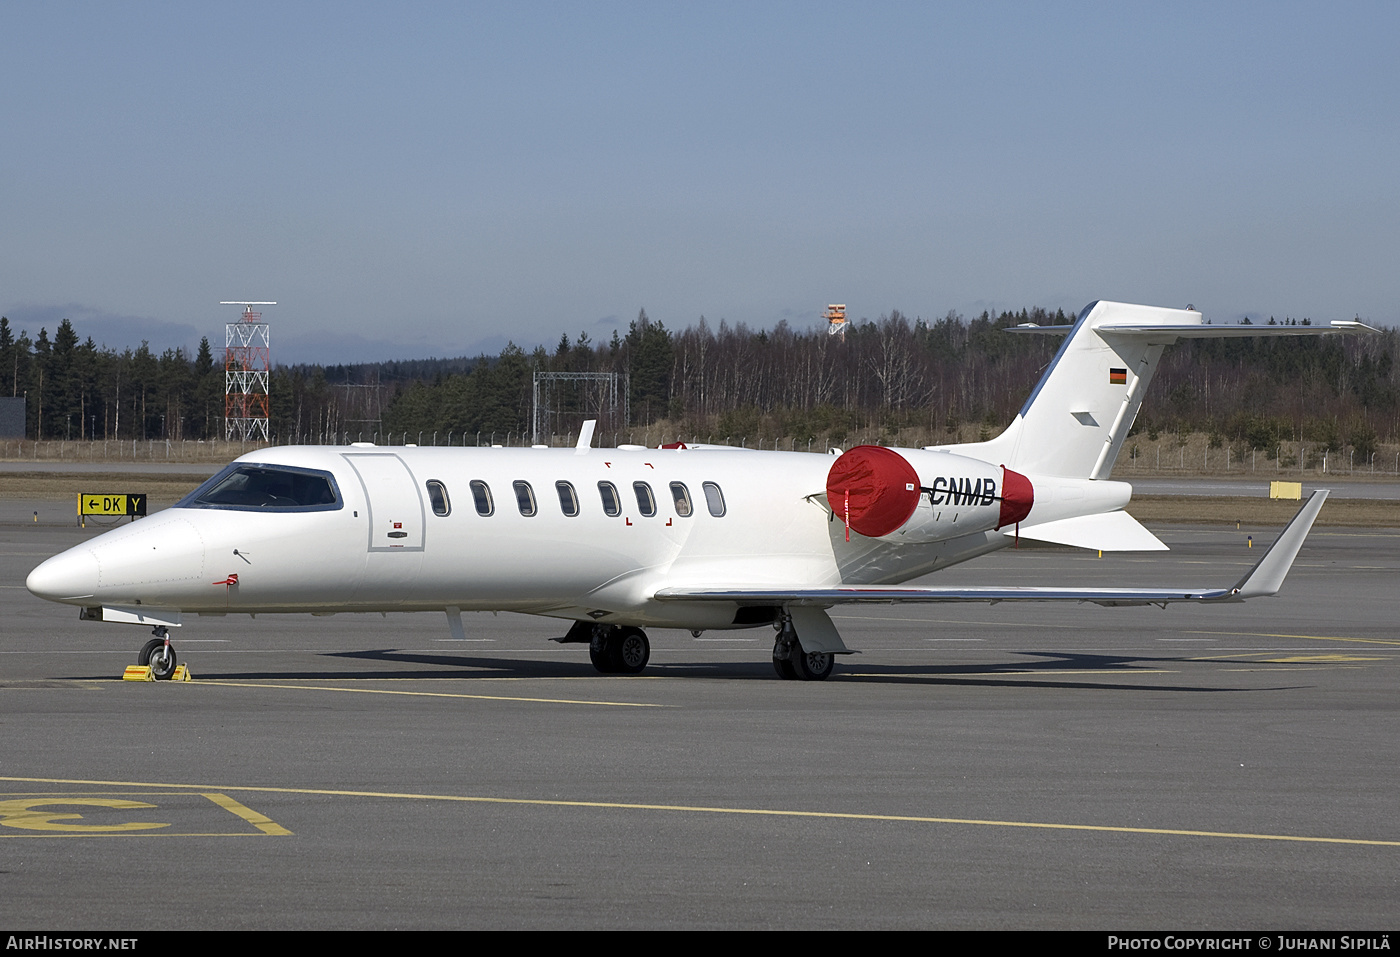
x: 407, y: 532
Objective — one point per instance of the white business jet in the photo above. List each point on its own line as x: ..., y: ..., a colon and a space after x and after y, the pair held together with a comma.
x: 700, y: 537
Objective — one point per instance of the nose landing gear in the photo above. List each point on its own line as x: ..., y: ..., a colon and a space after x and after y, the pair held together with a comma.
x: 159, y: 653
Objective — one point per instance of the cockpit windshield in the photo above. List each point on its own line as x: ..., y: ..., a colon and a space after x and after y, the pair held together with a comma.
x: 266, y: 487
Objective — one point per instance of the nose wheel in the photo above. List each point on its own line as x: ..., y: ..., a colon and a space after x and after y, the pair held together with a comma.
x: 159, y: 653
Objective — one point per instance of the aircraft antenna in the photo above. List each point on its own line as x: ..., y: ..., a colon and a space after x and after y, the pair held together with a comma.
x: 247, y: 362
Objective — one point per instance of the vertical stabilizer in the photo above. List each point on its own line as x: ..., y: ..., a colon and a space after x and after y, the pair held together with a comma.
x: 1075, y: 420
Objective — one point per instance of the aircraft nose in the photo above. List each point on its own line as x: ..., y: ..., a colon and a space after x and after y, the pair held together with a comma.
x: 65, y: 577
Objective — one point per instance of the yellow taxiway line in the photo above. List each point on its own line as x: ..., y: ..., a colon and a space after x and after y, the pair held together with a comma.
x: 431, y: 694
x: 1265, y: 634
x: 758, y: 812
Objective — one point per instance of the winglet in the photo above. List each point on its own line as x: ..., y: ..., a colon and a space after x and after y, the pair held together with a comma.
x: 1266, y: 578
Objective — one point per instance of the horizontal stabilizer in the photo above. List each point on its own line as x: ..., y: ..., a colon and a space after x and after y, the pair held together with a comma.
x: 1078, y: 415
x: 1109, y: 532
x: 1264, y: 579
x: 1167, y: 333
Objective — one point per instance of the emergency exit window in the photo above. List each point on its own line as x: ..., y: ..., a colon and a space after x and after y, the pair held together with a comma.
x: 612, y: 502
x: 646, y: 501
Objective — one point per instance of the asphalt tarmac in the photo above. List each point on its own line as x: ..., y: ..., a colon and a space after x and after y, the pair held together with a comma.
x: 1011, y: 766
x: 1379, y: 487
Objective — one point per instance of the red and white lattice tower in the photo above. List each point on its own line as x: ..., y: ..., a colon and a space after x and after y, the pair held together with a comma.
x: 246, y: 366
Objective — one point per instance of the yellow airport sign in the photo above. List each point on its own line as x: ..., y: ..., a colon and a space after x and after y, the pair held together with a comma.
x: 1293, y: 490
x: 104, y: 503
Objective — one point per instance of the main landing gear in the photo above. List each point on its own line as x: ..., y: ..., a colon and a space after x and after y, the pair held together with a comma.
x: 619, y: 650
x: 623, y: 649
x: 791, y: 662
x: 159, y: 653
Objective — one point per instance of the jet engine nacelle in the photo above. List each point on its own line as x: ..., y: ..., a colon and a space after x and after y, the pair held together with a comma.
x: 919, y: 496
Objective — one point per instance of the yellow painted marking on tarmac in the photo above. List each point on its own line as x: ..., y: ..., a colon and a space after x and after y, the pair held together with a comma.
x: 27, y: 813
x: 433, y: 694
x: 753, y: 812
x: 1274, y: 671
x: 1266, y: 634
x: 259, y: 821
x: 21, y: 811
x: 1262, y: 657
x: 1003, y: 674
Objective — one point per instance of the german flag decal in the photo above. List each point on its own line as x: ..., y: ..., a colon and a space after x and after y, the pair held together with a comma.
x: 1117, y: 376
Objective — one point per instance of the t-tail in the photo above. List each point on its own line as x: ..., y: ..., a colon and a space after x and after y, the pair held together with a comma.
x: 1075, y: 420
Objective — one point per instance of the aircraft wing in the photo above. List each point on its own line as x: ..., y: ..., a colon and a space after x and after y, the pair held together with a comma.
x: 1264, y: 579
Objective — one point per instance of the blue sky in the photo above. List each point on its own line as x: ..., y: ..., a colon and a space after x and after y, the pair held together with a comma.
x: 434, y: 179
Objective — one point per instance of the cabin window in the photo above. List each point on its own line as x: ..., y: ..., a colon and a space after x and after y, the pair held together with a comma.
x: 282, y: 488
x: 437, y: 496
x: 525, y: 498
x: 646, y: 502
x: 568, y: 498
x: 612, y: 502
x: 681, y: 496
x: 715, y: 499
x: 481, y: 494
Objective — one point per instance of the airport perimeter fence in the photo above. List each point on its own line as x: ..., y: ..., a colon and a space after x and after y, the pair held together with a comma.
x: 1168, y: 455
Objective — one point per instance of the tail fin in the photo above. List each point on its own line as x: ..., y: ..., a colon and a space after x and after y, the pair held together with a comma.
x: 1080, y: 412
x: 1078, y: 415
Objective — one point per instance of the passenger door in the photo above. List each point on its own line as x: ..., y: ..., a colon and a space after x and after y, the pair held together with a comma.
x: 395, y: 507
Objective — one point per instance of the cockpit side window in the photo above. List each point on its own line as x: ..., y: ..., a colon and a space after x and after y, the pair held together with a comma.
x: 247, y: 486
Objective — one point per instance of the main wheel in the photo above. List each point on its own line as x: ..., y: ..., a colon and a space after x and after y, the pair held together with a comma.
x: 812, y: 666
x: 783, y: 666
x: 631, y: 651
x: 600, y: 650
x: 161, y: 658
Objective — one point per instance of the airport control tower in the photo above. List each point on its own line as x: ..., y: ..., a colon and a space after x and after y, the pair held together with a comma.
x: 835, y: 317
x: 246, y: 367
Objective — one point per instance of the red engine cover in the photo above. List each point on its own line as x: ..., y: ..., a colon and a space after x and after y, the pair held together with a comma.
x: 1017, y: 497
x: 882, y: 485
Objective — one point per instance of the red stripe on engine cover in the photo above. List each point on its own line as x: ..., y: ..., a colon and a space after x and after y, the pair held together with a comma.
x: 1017, y: 497
x: 883, y: 488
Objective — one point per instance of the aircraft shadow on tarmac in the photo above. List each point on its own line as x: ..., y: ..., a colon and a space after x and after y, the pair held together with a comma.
x: 1036, y: 674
